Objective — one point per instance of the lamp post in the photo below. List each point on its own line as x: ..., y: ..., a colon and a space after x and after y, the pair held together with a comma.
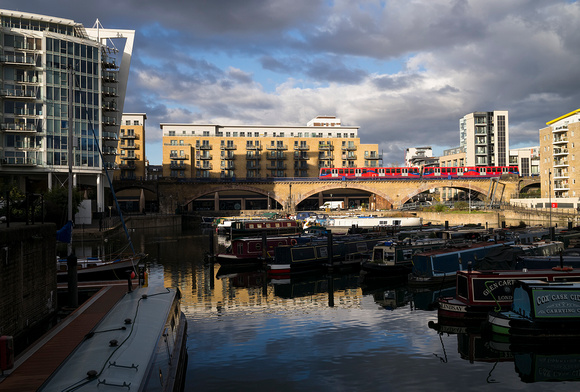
x: 550, y: 199
x: 469, y: 197
x: 268, y: 201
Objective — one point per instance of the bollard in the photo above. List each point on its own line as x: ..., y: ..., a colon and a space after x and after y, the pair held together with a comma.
x: 72, y: 277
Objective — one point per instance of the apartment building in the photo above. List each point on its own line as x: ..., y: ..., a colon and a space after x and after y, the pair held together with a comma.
x: 527, y: 159
x: 213, y: 151
x: 485, y: 138
x: 130, y: 157
x: 558, y: 151
x: 59, y: 79
x: 453, y: 157
x: 420, y: 156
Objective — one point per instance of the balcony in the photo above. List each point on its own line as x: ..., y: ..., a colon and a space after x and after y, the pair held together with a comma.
x: 256, y: 157
x: 19, y: 161
x: 560, y: 162
x: 12, y: 127
x: 130, y: 147
x: 18, y: 94
x: 180, y: 157
x: 109, y: 107
x: 203, y: 157
x: 203, y: 166
x: 110, y: 77
x: 228, y: 147
x: 127, y: 166
x: 275, y: 156
x: 250, y: 166
x: 177, y: 166
x: 561, y: 139
x: 110, y: 136
x: 227, y: 165
x: 325, y: 147
x: 349, y: 148
x: 109, y: 91
x: 302, y: 147
x: 203, y: 147
x: 372, y: 155
x: 132, y: 157
x: 278, y: 147
x: 129, y: 136
x: 253, y: 147
x: 109, y: 151
x: 276, y: 167
x: 326, y: 157
x: 349, y: 157
x: 228, y: 156
x: 18, y: 59
x: 109, y: 121
x: 560, y: 151
x: 300, y: 155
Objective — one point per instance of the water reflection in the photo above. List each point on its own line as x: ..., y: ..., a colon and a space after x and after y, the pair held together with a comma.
x: 324, y: 332
x: 537, y: 360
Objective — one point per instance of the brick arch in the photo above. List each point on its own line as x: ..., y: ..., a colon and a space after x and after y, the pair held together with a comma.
x: 228, y: 187
x: 342, y: 185
x: 474, y: 185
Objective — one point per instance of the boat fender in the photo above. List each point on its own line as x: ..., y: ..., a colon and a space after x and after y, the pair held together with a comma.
x: 293, y: 241
x: 566, y: 268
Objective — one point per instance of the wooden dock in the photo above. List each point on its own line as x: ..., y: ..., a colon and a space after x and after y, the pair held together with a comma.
x: 39, y: 361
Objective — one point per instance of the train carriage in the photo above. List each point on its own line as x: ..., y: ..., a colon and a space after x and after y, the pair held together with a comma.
x: 416, y: 172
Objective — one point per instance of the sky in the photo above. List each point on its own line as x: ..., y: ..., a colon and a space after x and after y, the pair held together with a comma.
x: 404, y: 71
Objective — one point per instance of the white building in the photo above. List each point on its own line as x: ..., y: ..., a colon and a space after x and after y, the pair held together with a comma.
x: 527, y: 159
x: 485, y: 137
x: 420, y: 156
x: 39, y: 55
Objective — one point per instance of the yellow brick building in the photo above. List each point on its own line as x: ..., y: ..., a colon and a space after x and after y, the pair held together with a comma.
x: 559, y: 146
x: 263, y: 151
x: 130, y: 158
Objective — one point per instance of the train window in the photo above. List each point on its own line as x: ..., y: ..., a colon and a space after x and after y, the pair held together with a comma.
x: 398, y: 171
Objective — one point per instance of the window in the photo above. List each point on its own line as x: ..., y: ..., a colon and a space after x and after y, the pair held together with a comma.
x: 256, y: 134
x: 136, y: 122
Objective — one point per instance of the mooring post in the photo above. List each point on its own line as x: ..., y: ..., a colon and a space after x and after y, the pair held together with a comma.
x: 73, y: 289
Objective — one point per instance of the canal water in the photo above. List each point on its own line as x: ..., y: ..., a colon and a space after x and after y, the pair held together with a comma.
x: 247, y: 332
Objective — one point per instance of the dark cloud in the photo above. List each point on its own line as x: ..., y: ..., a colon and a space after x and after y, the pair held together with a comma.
x: 202, y: 61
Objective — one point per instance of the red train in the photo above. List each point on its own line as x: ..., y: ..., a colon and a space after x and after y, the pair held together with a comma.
x: 330, y: 173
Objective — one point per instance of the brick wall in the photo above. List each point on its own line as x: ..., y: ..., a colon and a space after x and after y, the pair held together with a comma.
x: 27, y: 276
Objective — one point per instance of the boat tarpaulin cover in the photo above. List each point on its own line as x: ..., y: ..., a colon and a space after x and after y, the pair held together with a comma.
x: 65, y: 233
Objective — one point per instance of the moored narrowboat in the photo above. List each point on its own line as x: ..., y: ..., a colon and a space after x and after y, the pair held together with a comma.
x: 440, y: 266
x: 478, y: 292
x: 348, y: 249
x: 540, y: 310
x: 394, y: 259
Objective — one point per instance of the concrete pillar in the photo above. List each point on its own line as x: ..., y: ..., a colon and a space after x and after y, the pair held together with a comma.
x: 100, y: 193
x: 216, y: 204
x: 49, y: 180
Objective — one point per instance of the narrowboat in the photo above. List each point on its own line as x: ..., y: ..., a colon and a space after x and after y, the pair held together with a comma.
x: 140, y: 344
x: 370, y: 222
x: 539, y: 310
x: 394, y: 259
x: 240, y: 228
x: 440, y: 266
x: 478, y: 292
x: 348, y: 249
x: 250, y: 250
x: 94, y: 269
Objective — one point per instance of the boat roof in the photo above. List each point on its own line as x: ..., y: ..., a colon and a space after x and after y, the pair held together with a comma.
x: 463, y: 247
x: 128, y: 361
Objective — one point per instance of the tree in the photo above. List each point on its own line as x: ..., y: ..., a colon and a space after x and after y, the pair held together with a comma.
x: 56, y: 204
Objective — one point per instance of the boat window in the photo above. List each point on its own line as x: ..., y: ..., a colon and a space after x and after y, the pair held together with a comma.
x: 258, y: 246
x: 377, y: 255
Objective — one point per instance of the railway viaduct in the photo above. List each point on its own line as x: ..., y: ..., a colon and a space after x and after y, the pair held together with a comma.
x: 383, y: 194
